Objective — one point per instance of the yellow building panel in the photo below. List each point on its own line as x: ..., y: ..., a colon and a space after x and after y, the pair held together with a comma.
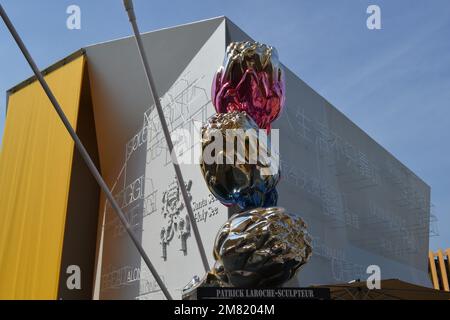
x: 433, y: 271
x: 35, y: 168
x: 442, y: 269
x: 447, y: 253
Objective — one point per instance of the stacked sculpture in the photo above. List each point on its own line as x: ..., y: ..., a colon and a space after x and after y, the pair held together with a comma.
x: 263, y: 245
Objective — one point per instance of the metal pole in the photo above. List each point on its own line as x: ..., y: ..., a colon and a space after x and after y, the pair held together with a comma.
x: 82, y: 150
x: 131, y: 15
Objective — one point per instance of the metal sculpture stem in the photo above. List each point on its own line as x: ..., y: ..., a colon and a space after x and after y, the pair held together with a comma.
x: 131, y: 15
x: 80, y: 147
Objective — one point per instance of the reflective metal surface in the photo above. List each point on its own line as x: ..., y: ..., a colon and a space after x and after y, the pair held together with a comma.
x: 251, y: 80
x: 262, y: 247
x: 248, y: 183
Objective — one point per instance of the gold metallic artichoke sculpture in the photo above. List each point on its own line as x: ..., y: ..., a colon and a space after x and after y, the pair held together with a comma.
x: 247, y: 183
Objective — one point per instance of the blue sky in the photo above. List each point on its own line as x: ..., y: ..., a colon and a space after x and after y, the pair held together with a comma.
x: 394, y: 83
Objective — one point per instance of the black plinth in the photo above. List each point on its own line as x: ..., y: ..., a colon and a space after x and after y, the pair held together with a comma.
x: 260, y: 293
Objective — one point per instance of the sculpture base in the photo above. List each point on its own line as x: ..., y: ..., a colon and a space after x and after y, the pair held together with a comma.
x: 202, y: 293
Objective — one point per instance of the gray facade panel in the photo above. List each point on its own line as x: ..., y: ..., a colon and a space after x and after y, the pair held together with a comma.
x: 363, y: 207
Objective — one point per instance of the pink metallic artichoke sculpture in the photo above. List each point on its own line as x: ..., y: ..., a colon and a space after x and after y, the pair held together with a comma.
x: 251, y: 80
